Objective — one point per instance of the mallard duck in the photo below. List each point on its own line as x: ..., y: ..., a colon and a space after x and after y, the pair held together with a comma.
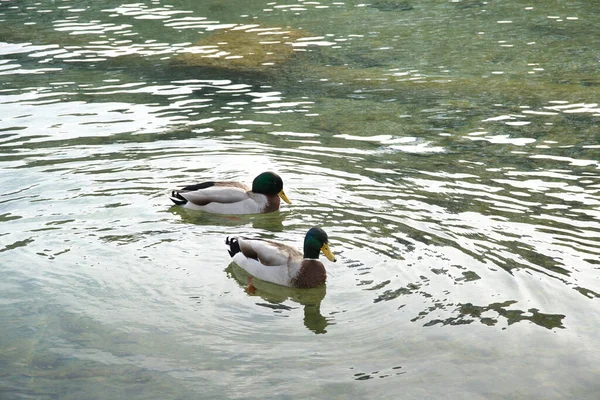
x: 282, y: 264
x: 233, y: 197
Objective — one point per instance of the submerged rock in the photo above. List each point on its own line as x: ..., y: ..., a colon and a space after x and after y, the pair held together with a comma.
x: 242, y: 49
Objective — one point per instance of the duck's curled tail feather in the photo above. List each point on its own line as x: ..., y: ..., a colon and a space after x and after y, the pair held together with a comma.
x: 177, y: 198
x: 234, y: 246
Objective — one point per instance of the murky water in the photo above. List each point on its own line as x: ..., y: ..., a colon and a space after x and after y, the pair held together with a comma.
x: 450, y: 149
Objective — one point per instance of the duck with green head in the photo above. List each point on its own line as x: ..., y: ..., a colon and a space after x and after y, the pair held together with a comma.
x: 282, y: 264
x: 233, y: 197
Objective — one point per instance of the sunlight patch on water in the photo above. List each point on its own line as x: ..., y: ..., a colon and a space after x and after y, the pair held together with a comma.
x: 142, y: 11
x: 313, y: 41
x: 503, y: 139
x: 89, y: 28
x: 576, y: 108
x: 378, y: 138
x: 397, y: 143
x: 296, y: 134
x: 62, y: 122
x: 19, y: 48
x: 190, y: 23
x: 571, y: 161
x: 14, y: 69
x: 419, y: 148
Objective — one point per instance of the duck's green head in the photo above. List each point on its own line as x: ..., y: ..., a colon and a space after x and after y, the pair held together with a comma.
x: 316, y: 240
x: 269, y: 183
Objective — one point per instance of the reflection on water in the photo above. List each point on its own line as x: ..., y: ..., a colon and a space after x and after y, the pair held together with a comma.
x: 449, y: 149
x: 272, y: 222
x: 469, y: 313
x: 276, y: 296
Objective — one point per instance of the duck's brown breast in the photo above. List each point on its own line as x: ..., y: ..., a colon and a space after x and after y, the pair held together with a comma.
x: 312, y: 274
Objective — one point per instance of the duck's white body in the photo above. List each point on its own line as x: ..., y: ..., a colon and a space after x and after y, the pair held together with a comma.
x: 274, y: 262
x: 225, y: 200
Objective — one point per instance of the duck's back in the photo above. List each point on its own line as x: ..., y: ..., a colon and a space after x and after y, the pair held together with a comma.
x: 269, y: 261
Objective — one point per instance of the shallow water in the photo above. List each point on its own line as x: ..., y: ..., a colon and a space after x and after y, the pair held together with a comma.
x: 449, y: 149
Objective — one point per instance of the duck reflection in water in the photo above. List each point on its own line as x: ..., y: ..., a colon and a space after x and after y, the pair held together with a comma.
x: 276, y: 296
x: 270, y: 222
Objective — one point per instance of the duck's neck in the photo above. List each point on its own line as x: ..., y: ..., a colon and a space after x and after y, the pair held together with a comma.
x: 311, y: 251
x: 273, y: 203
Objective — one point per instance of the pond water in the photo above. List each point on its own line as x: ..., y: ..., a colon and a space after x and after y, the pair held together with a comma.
x: 449, y: 148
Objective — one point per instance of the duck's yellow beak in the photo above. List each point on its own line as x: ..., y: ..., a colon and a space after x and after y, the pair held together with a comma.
x: 327, y: 251
x: 284, y: 197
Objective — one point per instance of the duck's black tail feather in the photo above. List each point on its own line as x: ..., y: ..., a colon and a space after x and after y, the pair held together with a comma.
x: 234, y: 246
x: 177, y: 198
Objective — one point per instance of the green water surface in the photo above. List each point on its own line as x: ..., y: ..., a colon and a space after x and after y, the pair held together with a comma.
x: 449, y: 148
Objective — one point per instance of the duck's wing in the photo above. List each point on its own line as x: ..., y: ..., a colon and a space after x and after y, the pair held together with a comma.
x: 205, y: 185
x: 268, y: 253
x: 211, y: 194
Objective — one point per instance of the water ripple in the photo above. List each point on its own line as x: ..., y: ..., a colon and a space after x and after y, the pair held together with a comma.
x: 462, y: 205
